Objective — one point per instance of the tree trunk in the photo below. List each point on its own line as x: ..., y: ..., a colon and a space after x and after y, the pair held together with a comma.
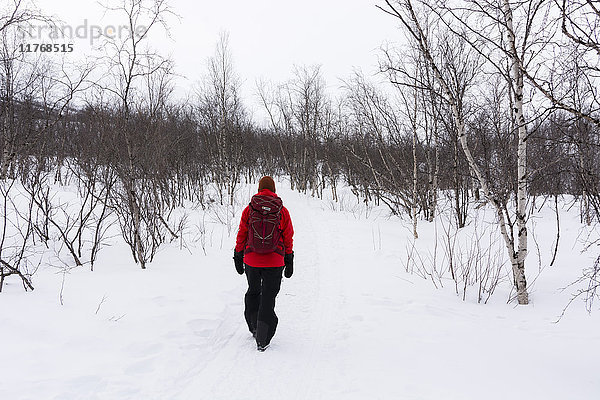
x: 517, y: 81
x: 414, y: 151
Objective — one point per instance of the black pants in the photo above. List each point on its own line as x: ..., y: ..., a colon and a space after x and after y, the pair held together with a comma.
x: 263, y: 286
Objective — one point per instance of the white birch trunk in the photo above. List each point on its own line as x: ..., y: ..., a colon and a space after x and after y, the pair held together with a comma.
x: 517, y: 257
x: 516, y: 76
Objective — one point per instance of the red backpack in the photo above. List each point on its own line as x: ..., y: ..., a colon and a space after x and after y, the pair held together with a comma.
x: 264, y: 234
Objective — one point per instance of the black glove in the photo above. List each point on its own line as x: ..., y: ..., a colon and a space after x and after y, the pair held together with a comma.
x: 288, y: 259
x: 238, y: 260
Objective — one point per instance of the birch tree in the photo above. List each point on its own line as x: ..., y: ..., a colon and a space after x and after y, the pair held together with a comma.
x: 505, y: 51
x: 223, y: 116
x: 411, y: 77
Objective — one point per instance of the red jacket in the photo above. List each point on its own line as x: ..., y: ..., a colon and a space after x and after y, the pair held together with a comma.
x: 272, y: 259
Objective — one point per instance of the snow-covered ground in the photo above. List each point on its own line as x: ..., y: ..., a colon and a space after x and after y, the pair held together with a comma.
x: 353, y: 323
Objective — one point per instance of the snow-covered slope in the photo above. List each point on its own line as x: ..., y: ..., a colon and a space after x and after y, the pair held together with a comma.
x: 353, y: 323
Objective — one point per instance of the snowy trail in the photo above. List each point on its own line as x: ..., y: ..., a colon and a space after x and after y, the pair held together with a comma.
x: 290, y: 368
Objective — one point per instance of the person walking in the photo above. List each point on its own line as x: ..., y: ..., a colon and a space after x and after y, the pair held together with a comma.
x: 264, y: 250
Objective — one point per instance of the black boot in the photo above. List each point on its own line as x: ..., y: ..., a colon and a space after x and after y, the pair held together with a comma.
x: 262, y: 339
x: 261, y: 348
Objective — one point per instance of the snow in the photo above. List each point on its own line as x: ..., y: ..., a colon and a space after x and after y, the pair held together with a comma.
x: 353, y: 323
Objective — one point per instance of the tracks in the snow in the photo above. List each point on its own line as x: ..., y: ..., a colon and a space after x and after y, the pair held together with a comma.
x: 321, y: 283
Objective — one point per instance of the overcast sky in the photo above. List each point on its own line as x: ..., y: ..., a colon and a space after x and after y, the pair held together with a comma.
x: 267, y: 37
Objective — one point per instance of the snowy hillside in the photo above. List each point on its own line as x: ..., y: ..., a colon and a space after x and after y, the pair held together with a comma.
x: 354, y: 324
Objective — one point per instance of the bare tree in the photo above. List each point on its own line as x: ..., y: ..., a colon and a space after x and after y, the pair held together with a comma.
x: 503, y: 49
x: 223, y: 117
x: 35, y: 97
x: 382, y: 151
x: 131, y: 64
x: 411, y: 105
x: 300, y: 114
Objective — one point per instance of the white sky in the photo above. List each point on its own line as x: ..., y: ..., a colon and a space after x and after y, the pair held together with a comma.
x: 267, y: 37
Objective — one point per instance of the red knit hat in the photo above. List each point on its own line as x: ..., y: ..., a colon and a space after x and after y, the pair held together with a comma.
x: 266, y: 182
